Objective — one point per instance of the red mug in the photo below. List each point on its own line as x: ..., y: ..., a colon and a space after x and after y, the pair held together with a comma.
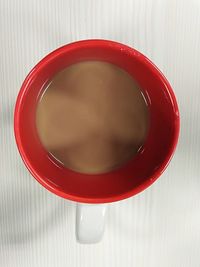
x: 131, y: 178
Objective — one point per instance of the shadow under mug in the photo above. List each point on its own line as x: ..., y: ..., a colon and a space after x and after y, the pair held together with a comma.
x: 131, y: 178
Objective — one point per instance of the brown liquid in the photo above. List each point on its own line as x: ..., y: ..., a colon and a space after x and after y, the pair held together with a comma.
x: 92, y: 117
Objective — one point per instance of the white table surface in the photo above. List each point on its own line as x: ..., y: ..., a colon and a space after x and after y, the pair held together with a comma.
x: 157, y: 228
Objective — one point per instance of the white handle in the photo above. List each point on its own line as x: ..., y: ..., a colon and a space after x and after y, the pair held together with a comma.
x: 90, y: 222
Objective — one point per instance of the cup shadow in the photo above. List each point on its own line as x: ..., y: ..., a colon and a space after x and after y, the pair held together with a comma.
x: 30, y: 214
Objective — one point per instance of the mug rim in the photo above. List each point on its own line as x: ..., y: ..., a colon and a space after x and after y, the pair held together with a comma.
x: 45, y: 61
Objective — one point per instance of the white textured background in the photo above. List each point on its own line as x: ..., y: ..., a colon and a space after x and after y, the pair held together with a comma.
x: 157, y: 228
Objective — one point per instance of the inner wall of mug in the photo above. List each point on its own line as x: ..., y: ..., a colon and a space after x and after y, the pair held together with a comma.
x: 137, y: 173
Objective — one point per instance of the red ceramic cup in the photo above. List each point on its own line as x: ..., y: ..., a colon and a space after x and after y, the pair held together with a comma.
x: 139, y: 172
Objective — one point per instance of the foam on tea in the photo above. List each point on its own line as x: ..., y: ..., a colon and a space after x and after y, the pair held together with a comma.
x: 92, y: 117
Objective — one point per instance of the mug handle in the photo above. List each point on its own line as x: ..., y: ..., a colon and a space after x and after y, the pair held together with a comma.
x: 90, y: 222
